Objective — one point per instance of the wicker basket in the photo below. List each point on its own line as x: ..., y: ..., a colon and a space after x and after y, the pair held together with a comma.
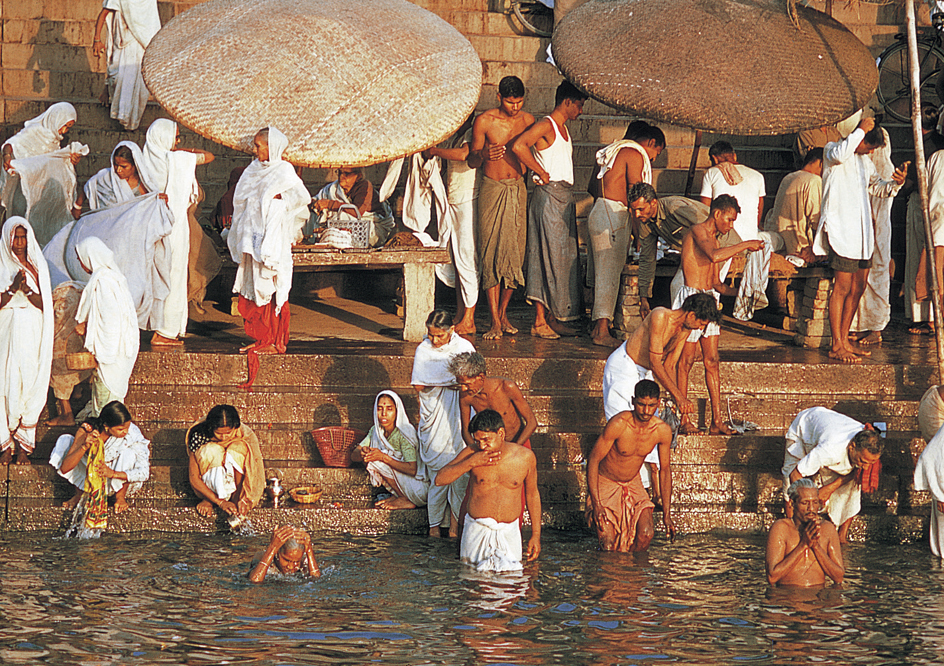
x: 306, y: 494
x: 81, y: 361
x: 335, y: 444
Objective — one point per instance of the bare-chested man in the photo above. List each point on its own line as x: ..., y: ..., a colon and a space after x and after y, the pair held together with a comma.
x: 701, y: 263
x: 503, y: 200
x: 618, y: 507
x: 498, y: 470
x: 622, y: 164
x: 804, y: 549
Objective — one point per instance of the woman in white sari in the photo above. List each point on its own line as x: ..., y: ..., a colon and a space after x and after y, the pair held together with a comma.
x: 26, y: 335
x: 440, y: 426
x: 117, y: 183
x: 389, y: 451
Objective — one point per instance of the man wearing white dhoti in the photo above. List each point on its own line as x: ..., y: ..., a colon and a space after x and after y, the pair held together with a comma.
x: 389, y: 451
x: 929, y: 476
x: 875, y: 309
x: 440, y: 423
x: 840, y: 454
x: 131, y: 25
x: 26, y: 338
x: 270, y: 208
x: 174, y: 174
x: 38, y: 177
x: 127, y: 456
x: 109, y: 322
x: 846, y: 232
x: 931, y: 412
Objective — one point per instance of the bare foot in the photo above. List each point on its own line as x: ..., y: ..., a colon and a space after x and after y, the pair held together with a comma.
x: 494, y: 333
x: 844, y: 356
x: 21, y: 458
x: 860, y: 352
x: 562, y: 329
x: 872, y: 338
x: 506, y: 327
x: 605, y: 340
x: 267, y: 350
x: 921, y: 329
x: 248, y: 348
x: 434, y: 532
x: 198, y: 307
x: 74, y: 502
x: 159, y: 339
x: 205, y: 508
x: 721, y: 428
x: 544, y: 331
x: 7, y: 457
x: 465, y: 329
x: 688, y: 428
x: 121, y: 505
x: 393, y: 503
x: 62, y: 420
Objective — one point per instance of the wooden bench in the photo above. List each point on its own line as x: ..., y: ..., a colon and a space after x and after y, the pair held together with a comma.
x: 417, y: 264
x: 801, y: 293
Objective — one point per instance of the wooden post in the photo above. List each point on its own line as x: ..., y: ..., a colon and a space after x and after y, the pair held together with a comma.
x: 921, y: 170
x: 694, y: 163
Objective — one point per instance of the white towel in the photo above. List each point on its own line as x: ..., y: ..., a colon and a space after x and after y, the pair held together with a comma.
x: 489, y: 545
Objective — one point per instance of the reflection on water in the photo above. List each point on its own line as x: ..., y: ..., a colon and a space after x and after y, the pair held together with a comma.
x: 167, y: 599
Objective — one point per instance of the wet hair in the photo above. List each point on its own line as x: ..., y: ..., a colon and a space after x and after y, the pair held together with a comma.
x: 114, y: 414
x: 930, y: 114
x: 124, y: 153
x: 641, y: 190
x: 793, y: 491
x: 719, y: 148
x: 703, y: 306
x: 94, y: 423
x: 439, y: 319
x: 869, y: 440
x: 635, y: 130
x: 724, y: 202
x: 291, y: 545
x: 467, y: 364
x: 488, y: 420
x: 814, y: 155
x: 511, y: 86
x: 875, y: 137
x: 567, y: 90
x: 655, y: 134
x: 646, y: 388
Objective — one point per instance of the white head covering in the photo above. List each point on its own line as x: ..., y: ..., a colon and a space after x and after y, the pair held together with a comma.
x: 40, y: 135
x: 160, y: 139
x: 111, y: 320
x: 105, y: 188
x: 378, y: 440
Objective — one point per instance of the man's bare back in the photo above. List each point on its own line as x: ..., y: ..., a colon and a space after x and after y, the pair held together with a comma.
x: 492, y: 135
x: 663, y: 332
x: 627, y: 170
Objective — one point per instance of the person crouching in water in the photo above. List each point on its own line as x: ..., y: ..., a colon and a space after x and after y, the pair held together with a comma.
x: 127, y: 456
x: 389, y: 451
x: 226, y: 466
x: 289, y: 550
x: 491, y: 535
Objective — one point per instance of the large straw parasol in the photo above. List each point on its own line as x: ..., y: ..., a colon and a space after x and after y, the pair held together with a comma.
x: 731, y: 66
x: 350, y: 82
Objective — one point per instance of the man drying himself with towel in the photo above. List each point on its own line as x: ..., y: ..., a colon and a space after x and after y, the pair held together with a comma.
x: 491, y: 535
x: 700, y: 273
x: 618, y: 507
x: 553, y: 283
x: 502, y: 206
x: 289, y: 550
x: 804, y: 549
x: 840, y: 454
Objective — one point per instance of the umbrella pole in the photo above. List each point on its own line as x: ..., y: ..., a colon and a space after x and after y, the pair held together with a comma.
x: 693, y: 163
x: 921, y: 171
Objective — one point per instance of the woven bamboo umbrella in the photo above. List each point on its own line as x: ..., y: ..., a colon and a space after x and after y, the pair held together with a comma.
x: 732, y: 66
x: 350, y: 82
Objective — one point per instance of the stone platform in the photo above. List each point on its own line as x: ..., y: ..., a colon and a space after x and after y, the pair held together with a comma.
x: 343, y: 352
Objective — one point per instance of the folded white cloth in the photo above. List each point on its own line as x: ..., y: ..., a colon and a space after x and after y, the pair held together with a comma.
x: 489, y: 545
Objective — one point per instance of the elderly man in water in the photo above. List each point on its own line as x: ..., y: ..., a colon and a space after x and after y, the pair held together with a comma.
x: 804, y: 549
x: 289, y: 550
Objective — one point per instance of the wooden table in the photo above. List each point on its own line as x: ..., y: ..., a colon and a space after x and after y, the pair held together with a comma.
x: 417, y: 264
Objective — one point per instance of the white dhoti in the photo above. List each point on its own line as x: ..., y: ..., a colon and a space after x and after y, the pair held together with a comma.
x: 875, y: 309
x: 930, y: 413
x: 222, y: 479
x: 439, y: 496
x: 929, y: 476
x: 917, y: 311
x: 462, y: 247
x: 609, y: 232
x: 489, y: 545
x: 125, y: 461
x: 414, y: 489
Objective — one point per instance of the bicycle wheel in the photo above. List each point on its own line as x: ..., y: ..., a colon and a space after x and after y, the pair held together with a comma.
x: 894, y: 87
x: 535, y: 16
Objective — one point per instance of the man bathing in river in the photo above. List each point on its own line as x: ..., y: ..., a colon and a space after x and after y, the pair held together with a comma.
x: 803, y: 550
x: 618, y: 507
x: 498, y: 470
x: 289, y: 550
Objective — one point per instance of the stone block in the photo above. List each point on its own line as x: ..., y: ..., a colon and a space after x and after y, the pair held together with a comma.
x: 50, y: 57
x: 68, y: 10
x: 813, y: 327
x: 53, y: 85
x: 44, y: 31
x: 811, y: 341
x: 22, y: 9
x: 815, y: 303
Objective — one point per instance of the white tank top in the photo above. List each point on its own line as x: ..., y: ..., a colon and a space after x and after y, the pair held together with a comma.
x: 557, y: 159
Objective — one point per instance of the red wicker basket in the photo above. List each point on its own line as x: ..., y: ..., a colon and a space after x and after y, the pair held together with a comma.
x: 335, y: 444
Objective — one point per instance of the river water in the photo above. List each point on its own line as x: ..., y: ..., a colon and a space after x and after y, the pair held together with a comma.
x: 174, y: 599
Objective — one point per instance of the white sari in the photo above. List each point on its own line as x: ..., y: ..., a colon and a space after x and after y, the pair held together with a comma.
x: 105, y: 188
x: 131, y: 28
x: 26, y: 338
x: 414, y: 488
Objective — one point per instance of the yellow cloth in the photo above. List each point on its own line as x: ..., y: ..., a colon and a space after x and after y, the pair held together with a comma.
x: 96, y: 489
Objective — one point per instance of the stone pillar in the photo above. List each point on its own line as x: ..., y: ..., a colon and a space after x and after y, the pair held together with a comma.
x: 627, y: 317
x: 813, y: 320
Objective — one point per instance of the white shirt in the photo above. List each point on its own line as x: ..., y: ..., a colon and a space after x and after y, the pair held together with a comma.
x: 748, y: 193
x: 820, y: 438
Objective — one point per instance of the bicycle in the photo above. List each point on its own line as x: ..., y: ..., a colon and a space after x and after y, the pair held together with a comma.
x: 534, y: 16
x: 894, y: 80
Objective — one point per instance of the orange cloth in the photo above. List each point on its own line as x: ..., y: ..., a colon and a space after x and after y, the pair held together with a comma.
x: 264, y: 326
x: 624, y: 504
x: 868, y: 477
